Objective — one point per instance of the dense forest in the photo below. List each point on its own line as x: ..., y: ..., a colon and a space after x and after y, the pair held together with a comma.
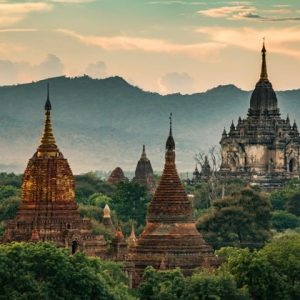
x: 255, y: 234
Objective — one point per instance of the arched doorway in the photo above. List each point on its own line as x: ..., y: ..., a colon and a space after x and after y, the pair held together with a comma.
x: 233, y: 164
x: 292, y: 165
x: 74, y: 247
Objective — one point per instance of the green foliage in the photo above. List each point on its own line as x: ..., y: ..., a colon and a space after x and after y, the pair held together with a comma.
x: 239, y: 220
x: 43, y: 271
x: 293, y: 203
x: 130, y: 202
x: 91, y: 212
x: 171, y: 285
x: 278, y: 198
x: 10, y: 179
x: 204, y: 194
x: 89, y: 184
x: 7, y: 191
x: 282, y: 220
x: 161, y: 285
x: 270, y: 273
x: 8, y: 207
x: 99, y: 199
x: 213, y: 285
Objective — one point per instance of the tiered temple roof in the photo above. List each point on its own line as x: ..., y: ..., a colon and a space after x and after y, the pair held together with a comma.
x: 170, y: 234
x: 263, y: 147
x: 48, y: 211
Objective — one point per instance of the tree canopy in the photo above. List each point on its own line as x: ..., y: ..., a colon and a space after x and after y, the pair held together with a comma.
x: 43, y: 271
x: 242, y: 219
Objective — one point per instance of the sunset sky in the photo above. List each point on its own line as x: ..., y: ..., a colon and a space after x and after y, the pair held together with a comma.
x: 165, y: 46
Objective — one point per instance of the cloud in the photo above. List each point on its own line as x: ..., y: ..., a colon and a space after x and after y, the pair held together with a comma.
x: 243, y: 12
x: 18, y: 30
x: 227, y: 11
x: 128, y: 43
x: 72, y: 1
x: 176, y: 83
x: 11, y: 13
x: 171, y: 2
x: 282, y: 40
x: 17, y: 72
x: 96, y: 70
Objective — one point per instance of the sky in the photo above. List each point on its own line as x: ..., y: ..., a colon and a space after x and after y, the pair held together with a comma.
x: 163, y: 46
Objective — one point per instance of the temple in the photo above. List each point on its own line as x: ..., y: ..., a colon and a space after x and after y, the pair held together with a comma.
x: 170, y: 238
x: 263, y: 148
x: 116, y: 176
x: 48, y: 211
x: 144, y: 173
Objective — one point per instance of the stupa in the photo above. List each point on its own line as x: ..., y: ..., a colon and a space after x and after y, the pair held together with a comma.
x: 48, y: 211
x: 170, y: 235
x: 144, y: 172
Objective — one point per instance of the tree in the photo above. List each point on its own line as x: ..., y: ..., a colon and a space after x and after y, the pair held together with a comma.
x: 214, y: 285
x: 10, y: 179
x: 161, y: 285
x: 282, y: 220
x: 89, y: 184
x: 43, y: 271
x: 293, y: 203
x: 270, y: 273
x: 239, y: 220
x: 7, y: 191
x: 8, y: 207
x: 130, y: 202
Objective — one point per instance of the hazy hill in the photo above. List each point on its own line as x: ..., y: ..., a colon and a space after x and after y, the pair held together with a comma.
x: 100, y: 124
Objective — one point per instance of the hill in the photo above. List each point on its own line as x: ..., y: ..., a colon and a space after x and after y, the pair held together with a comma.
x: 99, y: 124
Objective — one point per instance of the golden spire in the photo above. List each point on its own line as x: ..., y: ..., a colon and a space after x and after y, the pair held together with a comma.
x: 48, y: 145
x: 264, y: 74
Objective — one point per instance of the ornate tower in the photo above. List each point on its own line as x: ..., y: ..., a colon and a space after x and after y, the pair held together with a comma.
x: 48, y: 211
x: 144, y: 173
x: 170, y: 233
x: 263, y: 148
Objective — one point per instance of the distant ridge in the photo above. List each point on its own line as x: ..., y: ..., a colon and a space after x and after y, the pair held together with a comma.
x: 101, y: 123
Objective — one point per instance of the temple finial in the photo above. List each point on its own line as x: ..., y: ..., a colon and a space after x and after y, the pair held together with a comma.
x: 170, y: 144
x: 48, y: 103
x: 48, y: 146
x: 263, y: 74
x: 170, y: 118
x: 144, y: 156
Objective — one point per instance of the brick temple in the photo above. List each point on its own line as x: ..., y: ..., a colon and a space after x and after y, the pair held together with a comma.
x: 170, y: 238
x: 117, y: 176
x: 263, y: 148
x: 144, y: 172
x: 48, y: 211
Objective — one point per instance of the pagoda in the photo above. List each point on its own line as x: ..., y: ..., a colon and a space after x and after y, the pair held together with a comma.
x: 144, y: 173
x: 170, y: 236
x: 262, y: 148
x: 116, y: 176
x: 48, y: 211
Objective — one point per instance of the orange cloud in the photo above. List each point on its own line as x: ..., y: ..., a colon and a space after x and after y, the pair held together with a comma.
x: 280, y: 40
x: 11, y: 13
x: 128, y: 43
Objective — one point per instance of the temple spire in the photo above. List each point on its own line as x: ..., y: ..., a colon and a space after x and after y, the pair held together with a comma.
x: 264, y: 74
x: 170, y: 144
x: 48, y: 141
x: 144, y: 156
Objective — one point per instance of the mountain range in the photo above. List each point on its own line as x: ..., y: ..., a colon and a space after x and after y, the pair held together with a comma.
x: 102, y: 123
